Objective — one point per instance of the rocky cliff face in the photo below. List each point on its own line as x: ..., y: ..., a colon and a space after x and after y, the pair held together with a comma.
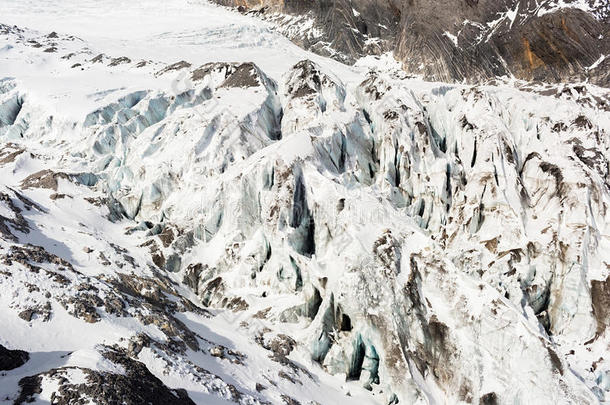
x: 455, y: 40
x: 482, y: 39
x: 342, y: 29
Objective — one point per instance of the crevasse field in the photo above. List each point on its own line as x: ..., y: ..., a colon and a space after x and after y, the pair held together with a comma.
x: 193, y: 209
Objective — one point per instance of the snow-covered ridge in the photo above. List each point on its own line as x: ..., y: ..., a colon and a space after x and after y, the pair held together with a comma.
x: 311, y: 233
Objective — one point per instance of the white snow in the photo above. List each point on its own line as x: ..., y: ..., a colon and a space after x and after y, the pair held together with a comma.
x: 434, y: 205
x: 452, y: 37
x: 597, y: 62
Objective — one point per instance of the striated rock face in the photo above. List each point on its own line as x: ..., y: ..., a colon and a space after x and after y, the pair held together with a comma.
x: 455, y: 40
x: 474, y: 40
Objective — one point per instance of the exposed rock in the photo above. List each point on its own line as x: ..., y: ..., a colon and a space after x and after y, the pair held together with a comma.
x: 10, y: 359
x: 17, y: 223
x: 174, y: 67
x: 136, y: 386
x: 455, y: 40
x: 119, y: 61
x: 27, y: 254
x: 600, y: 301
x: 43, y: 312
x: 49, y: 179
x: 489, y: 399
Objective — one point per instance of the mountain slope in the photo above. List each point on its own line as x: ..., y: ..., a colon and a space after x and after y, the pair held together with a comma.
x: 190, y: 228
x: 455, y: 40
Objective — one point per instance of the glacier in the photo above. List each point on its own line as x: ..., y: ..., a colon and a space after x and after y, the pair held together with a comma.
x: 214, y: 215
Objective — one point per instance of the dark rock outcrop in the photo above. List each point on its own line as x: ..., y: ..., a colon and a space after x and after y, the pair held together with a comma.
x: 10, y: 359
x: 137, y: 386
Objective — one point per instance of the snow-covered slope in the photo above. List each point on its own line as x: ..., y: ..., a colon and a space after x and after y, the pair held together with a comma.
x: 196, y: 210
